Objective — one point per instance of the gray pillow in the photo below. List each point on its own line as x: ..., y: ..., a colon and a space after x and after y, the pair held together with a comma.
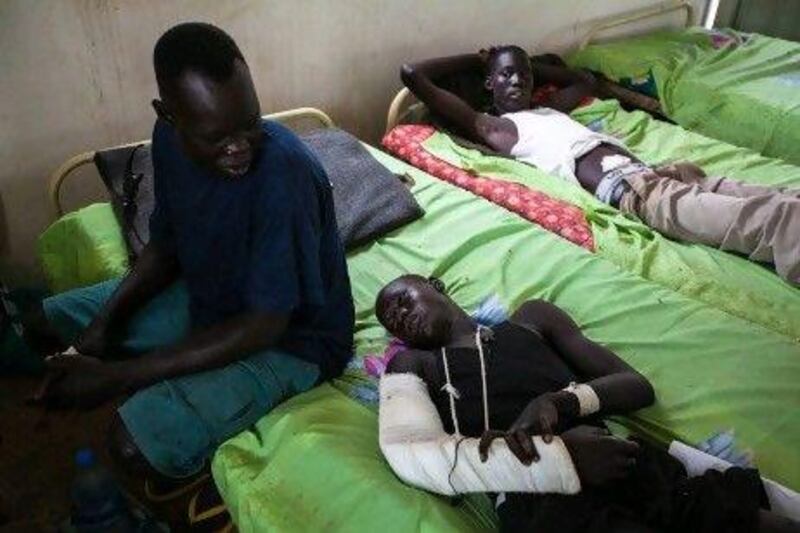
x: 369, y: 199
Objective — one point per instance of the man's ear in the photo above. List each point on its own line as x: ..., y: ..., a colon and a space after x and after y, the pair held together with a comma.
x: 488, y: 83
x: 437, y: 284
x: 162, y: 111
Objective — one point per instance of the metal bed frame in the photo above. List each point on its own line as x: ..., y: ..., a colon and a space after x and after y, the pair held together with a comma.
x: 67, y: 169
x: 638, y: 16
x: 404, y: 99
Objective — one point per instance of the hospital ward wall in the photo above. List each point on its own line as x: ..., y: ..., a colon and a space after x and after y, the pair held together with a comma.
x: 76, y: 74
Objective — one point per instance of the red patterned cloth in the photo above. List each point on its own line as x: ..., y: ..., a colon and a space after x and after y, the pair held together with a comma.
x: 560, y: 217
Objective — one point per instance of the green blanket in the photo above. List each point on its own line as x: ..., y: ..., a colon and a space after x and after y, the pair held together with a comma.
x: 740, y: 88
x: 722, y: 280
x: 313, y: 465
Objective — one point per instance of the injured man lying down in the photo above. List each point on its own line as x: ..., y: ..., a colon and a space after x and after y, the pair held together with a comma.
x: 517, y: 411
x: 678, y: 200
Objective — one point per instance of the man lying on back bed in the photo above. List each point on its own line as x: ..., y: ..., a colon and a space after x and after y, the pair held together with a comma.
x: 678, y: 201
x: 537, y: 384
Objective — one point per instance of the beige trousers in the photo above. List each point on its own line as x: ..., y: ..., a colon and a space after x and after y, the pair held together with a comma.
x: 761, y: 222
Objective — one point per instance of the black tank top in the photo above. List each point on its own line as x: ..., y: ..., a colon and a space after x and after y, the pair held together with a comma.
x: 520, y: 365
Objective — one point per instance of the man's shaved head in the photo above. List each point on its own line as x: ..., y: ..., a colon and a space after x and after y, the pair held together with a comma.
x: 196, y: 47
x: 208, y: 96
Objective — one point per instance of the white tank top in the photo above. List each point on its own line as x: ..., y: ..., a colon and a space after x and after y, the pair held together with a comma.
x: 552, y: 141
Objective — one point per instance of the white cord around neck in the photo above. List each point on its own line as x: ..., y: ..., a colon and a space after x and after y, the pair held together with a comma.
x: 452, y: 392
x: 485, y: 390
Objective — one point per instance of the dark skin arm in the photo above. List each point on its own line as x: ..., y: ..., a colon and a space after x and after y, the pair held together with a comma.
x: 153, y: 272
x: 82, y: 381
x: 213, y: 347
x: 620, y: 388
x: 418, y: 362
x: 598, y: 457
x: 575, y: 85
x: 631, y: 100
x: 497, y: 133
x: 85, y: 380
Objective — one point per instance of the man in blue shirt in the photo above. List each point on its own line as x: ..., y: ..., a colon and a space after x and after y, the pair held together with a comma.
x: 240, y: 299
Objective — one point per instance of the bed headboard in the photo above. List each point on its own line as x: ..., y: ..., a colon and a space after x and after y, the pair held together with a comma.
x: 59, y: 177
x: 400, y: 103
x: 638, y: 16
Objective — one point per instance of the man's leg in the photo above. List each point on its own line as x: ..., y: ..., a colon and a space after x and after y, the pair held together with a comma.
x: 691, y: 174
x: 55, y: 324
x: 584, y: 513
x: 763, y: 227
x: 172, y: 428
x: 162, y: 321
x: 739, y: 189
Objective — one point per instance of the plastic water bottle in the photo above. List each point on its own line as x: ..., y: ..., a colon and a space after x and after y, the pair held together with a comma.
x: 97, y: 503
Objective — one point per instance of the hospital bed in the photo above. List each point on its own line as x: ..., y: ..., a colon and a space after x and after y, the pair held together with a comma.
x: 314, y: 462
x: 723, y: 280
x: 737, y: 87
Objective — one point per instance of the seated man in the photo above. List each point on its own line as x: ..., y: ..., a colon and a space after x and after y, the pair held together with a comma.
x: 678, y: 201
x: 536, y: 374
x: 241, y: 298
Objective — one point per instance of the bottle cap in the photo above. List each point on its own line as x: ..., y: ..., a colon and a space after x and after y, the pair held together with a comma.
x: 84, y: 458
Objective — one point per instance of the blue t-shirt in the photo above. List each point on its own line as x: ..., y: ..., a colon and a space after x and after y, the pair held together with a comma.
x: 266, y: 241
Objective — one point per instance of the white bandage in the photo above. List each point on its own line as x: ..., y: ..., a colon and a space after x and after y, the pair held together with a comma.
x: 588, y: 400
x: 422, y: 454
x: 613, y: 162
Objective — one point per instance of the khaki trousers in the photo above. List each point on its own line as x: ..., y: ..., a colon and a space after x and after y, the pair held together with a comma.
x: 758, y: 221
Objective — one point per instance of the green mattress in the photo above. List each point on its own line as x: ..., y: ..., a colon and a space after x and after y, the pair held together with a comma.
x: 740, y: 88
x: 314, y: 464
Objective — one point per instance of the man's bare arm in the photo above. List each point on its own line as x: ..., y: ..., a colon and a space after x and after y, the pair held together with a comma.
x: 497, y: 133
x: 620, y: 388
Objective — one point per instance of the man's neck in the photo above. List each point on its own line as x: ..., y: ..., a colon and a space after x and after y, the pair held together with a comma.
x: 462, y: 334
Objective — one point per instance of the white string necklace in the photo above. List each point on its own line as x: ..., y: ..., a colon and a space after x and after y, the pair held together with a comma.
x: 453, y: 393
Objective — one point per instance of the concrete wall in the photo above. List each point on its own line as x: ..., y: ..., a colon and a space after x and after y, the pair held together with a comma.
x: 76, y: 74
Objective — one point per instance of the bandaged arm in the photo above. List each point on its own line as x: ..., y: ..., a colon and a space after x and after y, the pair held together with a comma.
x: 421, y: 453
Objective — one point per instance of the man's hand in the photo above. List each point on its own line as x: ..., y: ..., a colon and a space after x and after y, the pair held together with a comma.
x: 586, y: 78
x: 74, y: 380
x: 683, y: 171
x: 543, y: 415
x: 598, y: 457
x: 519, y: 442
x: 93, y: 341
